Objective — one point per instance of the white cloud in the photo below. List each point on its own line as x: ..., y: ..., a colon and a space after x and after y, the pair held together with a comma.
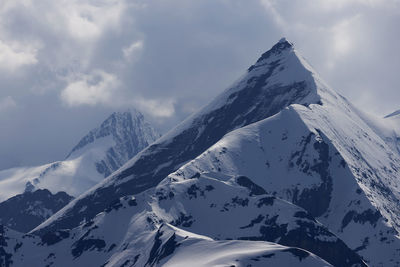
x: 98, y: 87
x: 270, y: 8
x: 7, y: 103
x: 14, y: 56
x: 87, y: 20
x: 159, y: 108
x: 345, y: 35
x: 131, y: 51
x: 340, y: 4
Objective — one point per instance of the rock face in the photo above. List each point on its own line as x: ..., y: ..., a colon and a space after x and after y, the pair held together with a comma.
x: 25, y: 211
x: 278, y: 170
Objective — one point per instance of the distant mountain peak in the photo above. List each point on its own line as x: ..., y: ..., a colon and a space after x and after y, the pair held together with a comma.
x: 120, y: 126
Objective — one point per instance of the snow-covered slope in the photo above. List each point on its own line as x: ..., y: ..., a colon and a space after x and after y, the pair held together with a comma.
x: 106, y: 148
x: 168, y: 224
x: 388, y: 128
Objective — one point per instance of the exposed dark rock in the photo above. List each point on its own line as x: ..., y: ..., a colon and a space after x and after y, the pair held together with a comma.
x: 254, y: 188
x: 87, y: 244
x: 309, y: 236
x: 299, y: 253
x: 315, y: 200
x: 369, y: 216
x: 267, y: 201
x: 254, y: 222
x: 161, y: 249
x: 115, y: 205
x: 25, y: 211
x: 51, y: 238
x: 335, y: 252
x: 185, y: 221
x: 5, y: 257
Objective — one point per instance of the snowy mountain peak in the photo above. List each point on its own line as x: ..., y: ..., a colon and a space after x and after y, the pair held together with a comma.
x: 119, y: 126
x: 121, y: 136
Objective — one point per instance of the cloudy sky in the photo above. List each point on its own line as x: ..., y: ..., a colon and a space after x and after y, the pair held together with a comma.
x: 66, y: 64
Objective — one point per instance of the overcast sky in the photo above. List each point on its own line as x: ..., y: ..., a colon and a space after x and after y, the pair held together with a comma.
x: 66, y: 64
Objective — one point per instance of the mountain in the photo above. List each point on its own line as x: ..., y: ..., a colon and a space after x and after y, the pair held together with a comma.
x: 278, y: 170
x: 25, y: 211
x: 45, y: 189
x: 103, y: 150
x: 279, y: 78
